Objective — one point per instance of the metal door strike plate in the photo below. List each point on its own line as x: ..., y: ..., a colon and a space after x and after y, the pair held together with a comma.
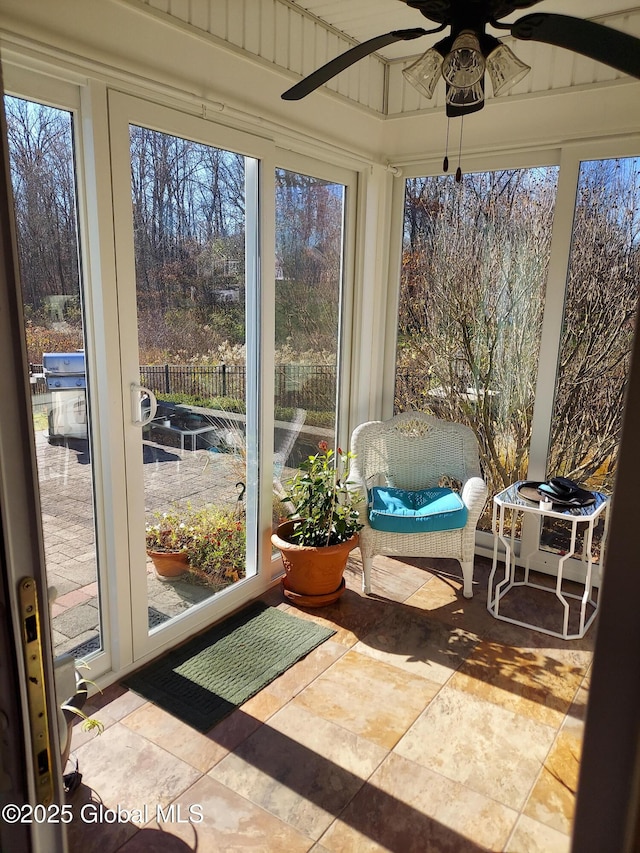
x: 36, y: 691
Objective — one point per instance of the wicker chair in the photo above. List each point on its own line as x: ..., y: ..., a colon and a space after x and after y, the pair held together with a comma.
x: 413, y: 451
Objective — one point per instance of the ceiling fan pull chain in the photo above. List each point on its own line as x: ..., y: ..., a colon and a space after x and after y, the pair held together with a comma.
x: 445, y: 162
x: 459, y: 170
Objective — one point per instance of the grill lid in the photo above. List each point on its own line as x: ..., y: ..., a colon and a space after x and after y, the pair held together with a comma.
x: 63, y: 362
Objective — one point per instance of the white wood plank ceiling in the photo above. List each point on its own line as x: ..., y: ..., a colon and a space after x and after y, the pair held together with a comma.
x: 363, y: 19
x: 300, y: 35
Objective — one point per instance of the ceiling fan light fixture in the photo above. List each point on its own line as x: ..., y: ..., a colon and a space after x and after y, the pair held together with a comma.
x: 424, y: 73
x: 464, y: 65
x: 505, y: 69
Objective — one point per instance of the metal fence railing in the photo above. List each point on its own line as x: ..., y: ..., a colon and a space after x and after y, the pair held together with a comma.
x: 304, y: 386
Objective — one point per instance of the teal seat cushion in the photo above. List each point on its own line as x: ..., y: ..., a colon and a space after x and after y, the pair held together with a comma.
x: 420, y: 511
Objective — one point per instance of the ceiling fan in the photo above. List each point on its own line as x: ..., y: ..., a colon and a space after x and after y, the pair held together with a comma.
x: 463, y: 56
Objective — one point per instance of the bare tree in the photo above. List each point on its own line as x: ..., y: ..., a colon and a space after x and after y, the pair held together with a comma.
x: 42, y: 173
x: 309, y: 227
x: 474, y: 268
x: 474, y: 273
x: 599, y: 319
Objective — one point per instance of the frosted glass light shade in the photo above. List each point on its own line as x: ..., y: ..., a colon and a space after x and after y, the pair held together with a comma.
x: 424, y: 73
x: 466, y: 96
x: 464, y: 64
x: 505, y: 69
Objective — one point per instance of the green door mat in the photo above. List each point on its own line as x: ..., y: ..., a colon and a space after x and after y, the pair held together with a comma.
x: 208, y: 677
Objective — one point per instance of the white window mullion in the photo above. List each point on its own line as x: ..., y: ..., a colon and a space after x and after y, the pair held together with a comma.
x: 550, y: 344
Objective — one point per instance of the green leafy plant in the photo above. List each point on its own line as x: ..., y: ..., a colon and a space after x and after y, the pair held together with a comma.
x: 324, y: 500
x: 217, y: 550
x: 214, y: 540
x: 73, y: 706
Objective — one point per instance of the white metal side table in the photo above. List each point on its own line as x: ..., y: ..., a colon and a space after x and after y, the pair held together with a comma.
x: 510, y: 501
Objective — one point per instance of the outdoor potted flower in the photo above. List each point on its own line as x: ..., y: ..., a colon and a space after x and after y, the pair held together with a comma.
x: 321, y: 531
x: 217, y: 548
x: 167, y: 541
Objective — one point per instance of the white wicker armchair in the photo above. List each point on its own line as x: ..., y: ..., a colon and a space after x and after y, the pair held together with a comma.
x: 413, y: 451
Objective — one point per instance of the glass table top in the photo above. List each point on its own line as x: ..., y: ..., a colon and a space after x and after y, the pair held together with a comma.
x: 511, y: 497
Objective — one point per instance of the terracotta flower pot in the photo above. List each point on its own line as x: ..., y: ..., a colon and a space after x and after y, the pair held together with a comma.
x: 169, y: 565
x: 313, y: 576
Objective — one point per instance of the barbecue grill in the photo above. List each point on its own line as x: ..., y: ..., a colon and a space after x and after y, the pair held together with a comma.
x: 64, y: 373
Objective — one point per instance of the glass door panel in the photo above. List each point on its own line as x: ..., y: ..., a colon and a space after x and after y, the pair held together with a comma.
x: 474, y: 270
x: 310, y: 215
x: 598, y: 324
x: 189, y: 242
x: 41, y: 151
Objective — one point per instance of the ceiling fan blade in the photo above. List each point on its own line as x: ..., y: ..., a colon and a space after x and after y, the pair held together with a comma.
x: 606, y: 45
x: 335, y: 66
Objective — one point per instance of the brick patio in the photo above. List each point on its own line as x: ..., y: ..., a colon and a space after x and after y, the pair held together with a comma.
x: 64, y: 471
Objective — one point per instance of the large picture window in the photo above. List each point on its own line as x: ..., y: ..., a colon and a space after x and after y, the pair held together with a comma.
x: 309, y: 265
x: 42, y: 160
x: 599, y: 320
x: 474, y: 269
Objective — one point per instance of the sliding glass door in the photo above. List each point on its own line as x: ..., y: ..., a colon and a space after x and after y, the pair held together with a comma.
x: 187, y: 246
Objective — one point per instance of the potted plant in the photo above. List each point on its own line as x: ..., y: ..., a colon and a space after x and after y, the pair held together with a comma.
x: 69, y: 680
x: 217, y: 548
x: 167, y: 541
x: 208, y: 544
x: 322, y: 529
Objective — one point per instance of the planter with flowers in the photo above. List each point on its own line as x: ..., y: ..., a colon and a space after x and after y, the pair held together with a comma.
x: 321, y: 531
x: 205, y: 545
x: 167, y: 540
x: 216, y: 550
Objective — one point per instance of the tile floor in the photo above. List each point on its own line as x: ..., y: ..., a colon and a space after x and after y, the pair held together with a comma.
x: 423, y: 724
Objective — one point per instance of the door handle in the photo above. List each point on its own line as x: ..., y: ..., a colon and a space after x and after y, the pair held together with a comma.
x: 138, y: 394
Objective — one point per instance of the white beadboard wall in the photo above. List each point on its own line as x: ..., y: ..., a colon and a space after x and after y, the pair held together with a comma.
x: 279, y: 33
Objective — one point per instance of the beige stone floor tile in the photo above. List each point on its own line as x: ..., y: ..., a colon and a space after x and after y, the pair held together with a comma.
x: 541, y: 607
x: 297, y: 677
x: 392, y: 580
x: 201, y: 751
x: 410, y: 640
x: 526, y: 681
x: 261, y: 706
x: 301, y: 768
x: 117, y: 700
x: 89, y: 832
x: 352, y: 616
x: 109, y: 706
x: 229, y: 824
x: 409, y: 808
x: 578, y: 708
x: 442, y: 599
x: 530, y: 836
x: 369, y: 697
x: 122, y: 766
x: 486, y: 747
x: 305, y: 764
x: 552, y: 801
